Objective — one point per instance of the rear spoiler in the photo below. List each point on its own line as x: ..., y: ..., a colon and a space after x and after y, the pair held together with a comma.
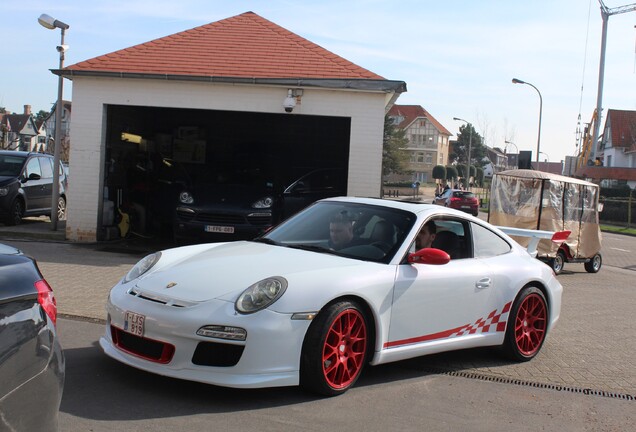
x: 536, y: 235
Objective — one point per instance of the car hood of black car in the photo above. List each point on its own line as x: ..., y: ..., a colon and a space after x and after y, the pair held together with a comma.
x: 206, y: 194
x: 7, y: 180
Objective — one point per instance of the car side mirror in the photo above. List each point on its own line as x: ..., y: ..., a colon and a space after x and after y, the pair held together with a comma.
x: 429, y: 256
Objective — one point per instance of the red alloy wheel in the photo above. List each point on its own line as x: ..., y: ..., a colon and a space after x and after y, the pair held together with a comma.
x: 344, y: 350
x: 530, y: 324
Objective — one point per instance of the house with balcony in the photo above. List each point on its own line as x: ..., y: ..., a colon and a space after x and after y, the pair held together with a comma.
x: 428, y: 142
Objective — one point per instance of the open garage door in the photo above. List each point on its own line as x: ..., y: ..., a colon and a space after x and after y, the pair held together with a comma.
x: 228, y: 164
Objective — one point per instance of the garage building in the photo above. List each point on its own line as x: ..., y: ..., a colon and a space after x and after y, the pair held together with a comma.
x: 242, y: 91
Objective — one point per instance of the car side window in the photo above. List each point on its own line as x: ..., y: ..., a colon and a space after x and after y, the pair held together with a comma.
x: 33, y: 167
x: 452, y: 237
x: 47, y: 167
x: 488, y: 244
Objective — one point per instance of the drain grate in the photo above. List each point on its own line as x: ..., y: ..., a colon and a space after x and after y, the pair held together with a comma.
x: 557, y: 387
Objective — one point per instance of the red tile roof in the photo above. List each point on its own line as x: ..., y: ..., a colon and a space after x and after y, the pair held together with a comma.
x: 245, y: 45
x: 413, y: 112
x: 623, y: 124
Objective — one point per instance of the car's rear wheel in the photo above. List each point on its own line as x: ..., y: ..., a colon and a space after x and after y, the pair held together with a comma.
x: 594, y: 265
x: 335, y: 349
x: 527, y: 325
x: 558, y: 262
x: 61, y: 208
x: 16, y: 212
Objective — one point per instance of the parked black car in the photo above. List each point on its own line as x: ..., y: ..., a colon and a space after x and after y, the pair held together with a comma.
x: 31, y: 359
x: 246, y: 205
x: 26, y: 186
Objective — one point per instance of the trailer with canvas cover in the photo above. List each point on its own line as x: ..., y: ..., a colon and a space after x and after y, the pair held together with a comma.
x: 537, y: 200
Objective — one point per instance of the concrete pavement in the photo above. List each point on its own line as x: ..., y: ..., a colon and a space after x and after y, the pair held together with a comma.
x: 591, y: 350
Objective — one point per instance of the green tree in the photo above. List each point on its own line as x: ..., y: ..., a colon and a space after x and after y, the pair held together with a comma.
x: 41, y: 116
x: 451, y: 173
x: 477, y: 149
x: 439, y: 172
x: 394, y: 158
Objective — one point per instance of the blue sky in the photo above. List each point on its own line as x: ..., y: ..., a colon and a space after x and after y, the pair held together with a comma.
x: 457, y: 56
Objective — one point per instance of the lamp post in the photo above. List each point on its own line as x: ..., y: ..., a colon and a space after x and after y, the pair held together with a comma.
x: 470, y: 142
x: 516, y: 148
x: 51, y: 24
x: 547, y: 156
x: 518, y: 81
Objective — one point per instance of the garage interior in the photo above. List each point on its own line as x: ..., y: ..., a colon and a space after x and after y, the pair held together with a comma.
x: 152, y: 153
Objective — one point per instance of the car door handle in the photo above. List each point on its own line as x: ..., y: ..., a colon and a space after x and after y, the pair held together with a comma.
x: 483, y: 283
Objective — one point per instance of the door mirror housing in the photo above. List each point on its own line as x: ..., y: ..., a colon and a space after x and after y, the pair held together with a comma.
x: 429, y: 256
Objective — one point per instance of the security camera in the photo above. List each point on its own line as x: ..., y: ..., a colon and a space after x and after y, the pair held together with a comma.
x: 290, y: 102
x: 61, y: 48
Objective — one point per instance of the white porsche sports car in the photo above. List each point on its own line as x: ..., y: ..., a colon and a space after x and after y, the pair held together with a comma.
x: 335, y: 287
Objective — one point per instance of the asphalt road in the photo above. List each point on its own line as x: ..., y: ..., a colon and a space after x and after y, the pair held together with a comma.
x: 103, y: 395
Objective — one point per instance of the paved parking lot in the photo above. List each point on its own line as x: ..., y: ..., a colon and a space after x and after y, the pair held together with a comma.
x: 592, y: 349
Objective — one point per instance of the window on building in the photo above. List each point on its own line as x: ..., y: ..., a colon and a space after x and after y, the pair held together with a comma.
x: 420, y: 157
x: 429, y: 158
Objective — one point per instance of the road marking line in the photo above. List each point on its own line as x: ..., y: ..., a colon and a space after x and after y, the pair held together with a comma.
x: 618, y: 249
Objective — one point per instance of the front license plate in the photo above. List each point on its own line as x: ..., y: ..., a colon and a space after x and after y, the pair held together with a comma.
x: 219, y: 229
x: 134, y: 323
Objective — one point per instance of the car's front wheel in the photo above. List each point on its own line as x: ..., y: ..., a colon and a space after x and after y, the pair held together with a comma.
x: 61, y: 208
x: 335, y: 349
x: 16, y: 212
x: 527, y: 325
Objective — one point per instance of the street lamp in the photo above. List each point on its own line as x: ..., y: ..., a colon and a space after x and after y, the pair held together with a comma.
x: 516, y: 165
x: 51, y: 24
x: 518, y: 81
x: 510, y: 142
x: 547, y: 157
x: 470, y: 141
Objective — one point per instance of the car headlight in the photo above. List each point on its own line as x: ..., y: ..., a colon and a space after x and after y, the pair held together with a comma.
x: 4, y: 191
x: 142, y: 266
x: 186, y: 197
x: 261, y: 295
x: 263, y: 203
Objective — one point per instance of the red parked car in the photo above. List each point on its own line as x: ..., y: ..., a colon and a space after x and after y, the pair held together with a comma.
x: 459, y: 199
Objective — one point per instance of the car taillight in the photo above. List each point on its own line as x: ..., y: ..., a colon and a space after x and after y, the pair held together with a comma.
x: 47, y: 299
x: 454, y: 199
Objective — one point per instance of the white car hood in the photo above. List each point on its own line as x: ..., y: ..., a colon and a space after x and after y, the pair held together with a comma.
x: 227, y: 270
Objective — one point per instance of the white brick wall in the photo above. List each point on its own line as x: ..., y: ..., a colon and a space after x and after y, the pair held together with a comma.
x: 91, y: 95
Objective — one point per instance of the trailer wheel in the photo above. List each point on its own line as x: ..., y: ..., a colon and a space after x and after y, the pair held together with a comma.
x: 594, y: 265
x: 557, y: 262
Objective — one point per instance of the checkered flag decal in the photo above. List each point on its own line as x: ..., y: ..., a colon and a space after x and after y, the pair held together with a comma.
x: 494, y: 322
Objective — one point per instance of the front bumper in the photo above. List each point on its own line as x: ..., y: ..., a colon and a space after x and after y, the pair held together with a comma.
x: 270, y: 354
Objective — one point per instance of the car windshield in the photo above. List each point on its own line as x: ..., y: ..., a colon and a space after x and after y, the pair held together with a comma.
x: 353, y: 230
x: 11, y: 165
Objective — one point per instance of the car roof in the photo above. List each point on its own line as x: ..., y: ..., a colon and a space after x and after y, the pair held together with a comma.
x: 416, y: 207
x: 22, y: 153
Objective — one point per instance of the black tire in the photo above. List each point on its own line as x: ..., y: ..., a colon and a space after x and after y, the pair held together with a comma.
x: 594, y: 265
x: 16, y: 212
x: 61, y: 208
x: 527, y: 325
x: 558, y: 262
x: 327, y: 341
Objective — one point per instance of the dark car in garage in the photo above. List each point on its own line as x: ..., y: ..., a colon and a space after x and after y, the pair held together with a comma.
x: 245, y: 204
x: 31, y: 359
x: 26, y: 186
